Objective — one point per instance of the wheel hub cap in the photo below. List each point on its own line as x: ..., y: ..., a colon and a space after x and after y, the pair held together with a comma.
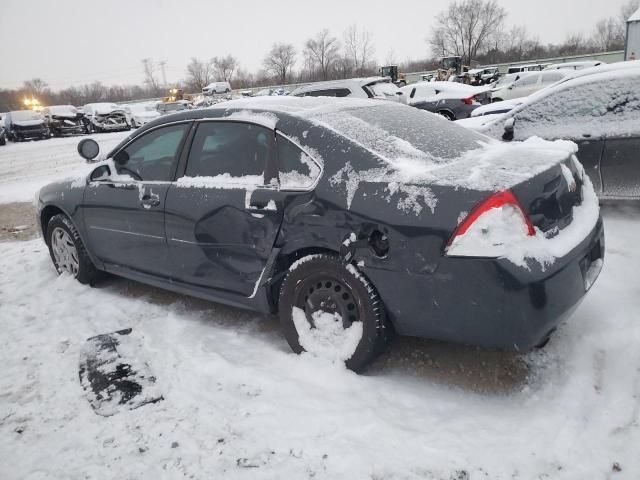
x: 64, y: 251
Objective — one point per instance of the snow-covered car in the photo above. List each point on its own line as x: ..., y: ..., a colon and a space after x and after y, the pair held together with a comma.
x: 452, y: 100
x: 533, y: 67
x: 574, y: 65
x: 139, y: 115
x: 165, y: 108
x: 63, y: 120
x: 484, y: 76
x: 104, y: 117
x: 22, y: 125
x: 216, y: 87
x: 599, y: 109
x: 373, y: 87
x: 495, y: 108
x: 344, y: 216
x: 271, y: 92
x: 528, y: 84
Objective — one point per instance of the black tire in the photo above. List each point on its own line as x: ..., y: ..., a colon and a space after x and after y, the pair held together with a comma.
x: 364, y: 304
x: 3, y: 140
x: 87, y: 273
x: 446, y: 114
x: 494, y: 100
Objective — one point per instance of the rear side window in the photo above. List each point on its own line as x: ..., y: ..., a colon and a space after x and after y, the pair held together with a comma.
x: 329, y: 92
x: 527, y: 81
x: 231, y: 149
x: 297, y: 170
x: 154, y: 155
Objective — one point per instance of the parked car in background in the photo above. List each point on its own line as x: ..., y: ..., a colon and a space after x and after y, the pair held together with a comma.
x: 3, y: 136
x: 216, y: 87
x: 600, y: 111
x: 450, y: 99
x: 105, y: 117
x: 530, y: 83
x: 271, y: 92
x: 25, y: 125
x: 574, y: 65
x: 504, y: 83
x: 484, y: 76
x: 164, y: 108
x: 140, y: 114
x: 346, y: 217
x: 372, y: 87
x: 63, y: 120
x: 533, y: 67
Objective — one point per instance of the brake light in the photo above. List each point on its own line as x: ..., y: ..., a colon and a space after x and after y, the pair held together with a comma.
x: 490, y: 227
x: 469, y: 100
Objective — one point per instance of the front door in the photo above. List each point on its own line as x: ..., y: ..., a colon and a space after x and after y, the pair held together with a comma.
x: 224, y: 213
x: 123, y: 212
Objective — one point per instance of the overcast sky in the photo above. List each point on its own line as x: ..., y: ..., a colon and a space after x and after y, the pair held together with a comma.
x: 71, y: 42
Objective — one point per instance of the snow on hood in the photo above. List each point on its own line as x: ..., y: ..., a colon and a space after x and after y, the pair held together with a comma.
x: 105, y: 108
x: 27, y: 123
x: 63, y: 110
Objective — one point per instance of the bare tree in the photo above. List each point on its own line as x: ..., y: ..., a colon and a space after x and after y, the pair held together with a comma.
x: 224, y: 67
x: 627, y: 10
x: 321, y: 53
x: 150, y: 78
x: 280, y: 61
x: 199, y: 74
x: 465, y: 28
x: 36, y: 87
x: 608, y: 35
x: 359, y: 46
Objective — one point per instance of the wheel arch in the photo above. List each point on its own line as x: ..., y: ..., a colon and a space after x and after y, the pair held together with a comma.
x: 281, y: 266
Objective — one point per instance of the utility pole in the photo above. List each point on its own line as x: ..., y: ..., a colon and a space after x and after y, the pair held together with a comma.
x: 164, y: 72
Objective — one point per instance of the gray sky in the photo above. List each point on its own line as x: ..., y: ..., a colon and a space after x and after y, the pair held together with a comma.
x: 71, y: 42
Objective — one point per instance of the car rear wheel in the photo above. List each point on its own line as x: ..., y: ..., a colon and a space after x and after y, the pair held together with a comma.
x: 332, y: 311
x: 446, y: 114
x: 68, y: 252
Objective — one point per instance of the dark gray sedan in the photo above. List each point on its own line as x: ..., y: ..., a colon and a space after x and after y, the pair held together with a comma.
x: 345, y: 217
x: 452, y: 100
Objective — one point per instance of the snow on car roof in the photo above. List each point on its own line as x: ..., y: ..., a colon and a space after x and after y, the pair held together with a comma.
x: 347, y: 81
x: 62, y: 110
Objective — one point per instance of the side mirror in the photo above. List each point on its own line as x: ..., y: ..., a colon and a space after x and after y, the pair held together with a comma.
x: 508, y: 129
x: 103, y: 172
x: 88, y: 149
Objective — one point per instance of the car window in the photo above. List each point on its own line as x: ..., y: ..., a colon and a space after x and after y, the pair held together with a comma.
x: 527, y: 81
x: 584, y: 107
x: 329, y: 92
x: 154, y: 155
x: 552, y: 77
x: 232, y: 149
x: 297, y: 169
x: 384, y: 89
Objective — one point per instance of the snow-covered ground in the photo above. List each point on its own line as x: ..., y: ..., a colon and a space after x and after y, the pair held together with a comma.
x: 25, y: 167
x: 238, y: 404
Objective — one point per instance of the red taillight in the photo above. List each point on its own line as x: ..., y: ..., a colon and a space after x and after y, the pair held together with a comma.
x: 469, y: 100
x: 497, y: 200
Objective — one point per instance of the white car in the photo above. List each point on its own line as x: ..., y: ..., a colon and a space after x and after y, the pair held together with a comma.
x: 105, y: 117
x: 528, y: 84
x: 140, y: 114
x: 216, y: 87
x: 496, y: 108
x: 372, y: 87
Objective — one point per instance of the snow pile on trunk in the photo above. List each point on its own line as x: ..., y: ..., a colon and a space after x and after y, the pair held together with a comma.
x: 327, y: 339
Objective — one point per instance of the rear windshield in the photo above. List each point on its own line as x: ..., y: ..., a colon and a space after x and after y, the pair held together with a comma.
x: 384, y: 89
x: 397, y: 132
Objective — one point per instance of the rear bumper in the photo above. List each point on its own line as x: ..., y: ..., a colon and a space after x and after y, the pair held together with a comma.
x: 491, y: 302
x: 26, y: 134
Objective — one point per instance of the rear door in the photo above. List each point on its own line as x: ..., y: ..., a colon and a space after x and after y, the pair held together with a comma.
x: 224, y: 212
x: 124, y: 212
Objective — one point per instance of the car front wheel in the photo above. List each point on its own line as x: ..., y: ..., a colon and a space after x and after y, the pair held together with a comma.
x: 68, y: 252
x: 332, y: 311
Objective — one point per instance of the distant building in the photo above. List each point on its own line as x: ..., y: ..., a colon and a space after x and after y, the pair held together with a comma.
x: 632, y: 42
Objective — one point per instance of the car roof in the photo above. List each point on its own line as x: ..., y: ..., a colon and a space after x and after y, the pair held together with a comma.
x: 347, y: 82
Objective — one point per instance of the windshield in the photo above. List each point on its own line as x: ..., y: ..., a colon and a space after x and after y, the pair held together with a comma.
x: 23, y: 115
x: 398, y: 133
